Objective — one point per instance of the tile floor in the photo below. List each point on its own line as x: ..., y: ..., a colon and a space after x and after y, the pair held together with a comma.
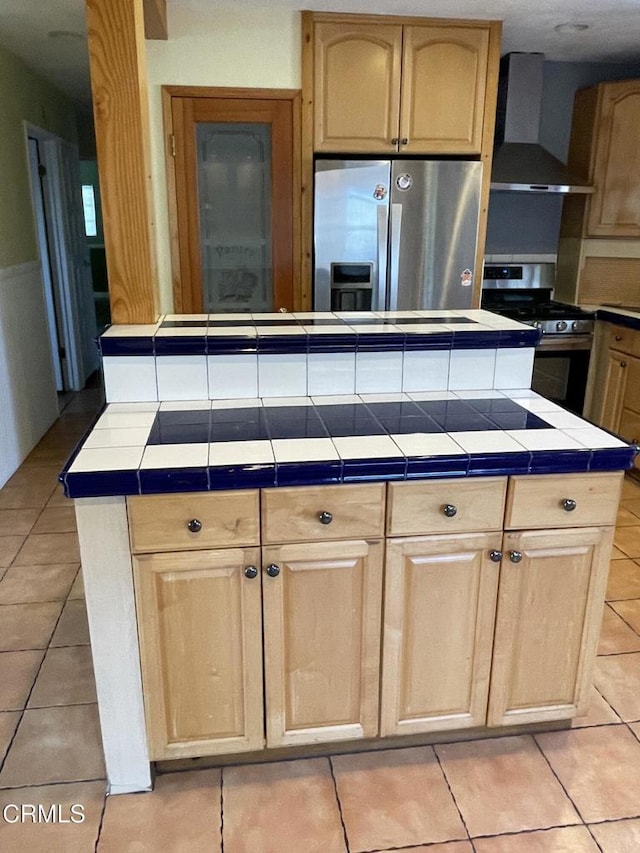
x: 573, y: 791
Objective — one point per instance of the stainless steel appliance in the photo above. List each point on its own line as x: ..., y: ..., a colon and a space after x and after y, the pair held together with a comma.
x: 561, y: 364
x: 395, y: 234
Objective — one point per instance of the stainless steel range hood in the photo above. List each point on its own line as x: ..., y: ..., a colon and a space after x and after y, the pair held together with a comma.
x: 520, y: 163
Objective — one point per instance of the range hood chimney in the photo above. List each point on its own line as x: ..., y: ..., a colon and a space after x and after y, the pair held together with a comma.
x: 520, y: 163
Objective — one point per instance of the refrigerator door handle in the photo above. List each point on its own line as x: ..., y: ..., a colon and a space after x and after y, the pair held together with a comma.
x: 378, y: 302
x: 394, y: 261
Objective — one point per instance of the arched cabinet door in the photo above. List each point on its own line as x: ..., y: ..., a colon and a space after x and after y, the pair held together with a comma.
x: 357, y: 87
x: 444, y: 71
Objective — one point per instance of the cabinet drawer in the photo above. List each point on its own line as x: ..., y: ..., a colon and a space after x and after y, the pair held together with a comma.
x: 294, y: 514
x: 623, y: 339
x: 446, y: 506
x: 160, y: 522
x: 539, y: 501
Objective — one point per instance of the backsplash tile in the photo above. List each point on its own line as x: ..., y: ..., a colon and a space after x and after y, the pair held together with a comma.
x: 182, y: 377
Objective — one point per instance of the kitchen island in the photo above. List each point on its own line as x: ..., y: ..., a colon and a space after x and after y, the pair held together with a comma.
x: 323, y: 529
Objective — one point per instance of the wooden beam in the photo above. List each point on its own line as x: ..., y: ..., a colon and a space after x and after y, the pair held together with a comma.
x: 118, y: 82
x: 155, y: 19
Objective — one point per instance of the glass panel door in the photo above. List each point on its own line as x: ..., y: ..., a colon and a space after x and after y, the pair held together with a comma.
x: 234, y: 205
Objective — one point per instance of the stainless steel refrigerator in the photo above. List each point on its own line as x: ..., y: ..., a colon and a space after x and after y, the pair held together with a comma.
x: 395, y: 234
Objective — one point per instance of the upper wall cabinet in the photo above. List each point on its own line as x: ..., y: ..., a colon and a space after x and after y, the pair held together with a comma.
x: 605, y: 145
x: 415, y: 87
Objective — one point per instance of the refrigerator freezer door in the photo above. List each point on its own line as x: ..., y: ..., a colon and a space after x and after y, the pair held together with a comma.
x: 351, y: 210
x: 437, y: 243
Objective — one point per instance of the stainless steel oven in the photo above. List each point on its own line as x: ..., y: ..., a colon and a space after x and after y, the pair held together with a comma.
x: 561, y: 365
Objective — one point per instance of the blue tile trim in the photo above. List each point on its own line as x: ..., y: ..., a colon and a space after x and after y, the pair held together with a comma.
x: 238, y: 345
x: 333, y: 343
x: 154, y: 481
x: 559, y: 461
x: 282, y: 344
x: 125, y: 346
x: 308, y: 473
x: 484, y: 464
x: 357, y: 470
x: 476, y: 340
x: 436, y: 341
x: 612, y: 459
x: 618, y: 319
x: 391, y: 342
x: 181, y: 345
x: 425, y: 467
x: 516, y: 338
x: 241, y: 476
x: 97, y: 484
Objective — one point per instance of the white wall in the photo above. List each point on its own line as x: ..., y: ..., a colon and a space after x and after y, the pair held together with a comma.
x: 28, y: 399
x: 214, y: 46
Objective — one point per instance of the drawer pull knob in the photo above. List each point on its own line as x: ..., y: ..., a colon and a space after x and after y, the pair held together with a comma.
x: 623, y: 364
x: 404, y: 141
x: 395, y: 140
x: 495, y: 556
x: 251, y: 572
x: 194, y: 526
x: 325, y: 517
x: 618, y: 337
x: 568, y: 504
x: 450, y: 510
x: 515, y: 556
x: 273, y: 571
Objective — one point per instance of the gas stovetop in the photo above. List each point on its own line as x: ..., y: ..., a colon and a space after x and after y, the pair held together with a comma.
x: 553, y: 318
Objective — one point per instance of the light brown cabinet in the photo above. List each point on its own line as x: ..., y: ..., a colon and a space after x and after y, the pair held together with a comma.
x: 384, y: 85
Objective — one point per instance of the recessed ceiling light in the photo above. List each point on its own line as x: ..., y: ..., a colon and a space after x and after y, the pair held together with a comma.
x: 571, y: 28
x: 66, y: 35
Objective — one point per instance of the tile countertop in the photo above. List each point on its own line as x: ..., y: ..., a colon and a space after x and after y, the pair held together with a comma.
x: 150, y: 448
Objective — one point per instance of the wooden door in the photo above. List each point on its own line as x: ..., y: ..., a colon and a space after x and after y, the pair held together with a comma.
x: 444, y: 77
x: 236, y: 188
x: 322, y: 641
x: 615, y: 385
x: 440, y: 599
x: 548, y: 623
x: 356, y: 87
x: 615, y: 206
x: 200, y: 629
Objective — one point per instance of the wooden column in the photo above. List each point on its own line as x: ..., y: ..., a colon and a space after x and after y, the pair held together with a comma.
x: 118, y: 81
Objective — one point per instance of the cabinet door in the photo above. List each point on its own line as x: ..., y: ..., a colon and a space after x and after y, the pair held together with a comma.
x: 356, y: 87
x: 444, y: 77
x: 548, y: 623
x: 615, y: 206
x: 615, y: 388
x: 200, y: 633
x: 322, y: 641
x: 440, y: 595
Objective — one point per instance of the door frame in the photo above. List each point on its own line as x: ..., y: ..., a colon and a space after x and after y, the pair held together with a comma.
x: 300, y: 301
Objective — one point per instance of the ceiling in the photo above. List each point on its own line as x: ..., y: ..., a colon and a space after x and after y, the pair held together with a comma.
x: 613, y: 33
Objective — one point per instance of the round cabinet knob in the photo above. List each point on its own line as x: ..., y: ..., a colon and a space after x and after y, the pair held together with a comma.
x: 618, y: 337
x: 623, y: 364
x: 568, y: 504
x: 404, y: 141
x: 194, y: 526
x: 495, y: 556
x: 450, y: 510
x: 325, y: 517
x: 273, y: 571
x: 395, y: 140
x: 515, y: 556
x: 251, y: 572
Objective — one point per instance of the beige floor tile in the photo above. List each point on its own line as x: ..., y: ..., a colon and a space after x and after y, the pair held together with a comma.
x: 45, y: 476
x: 504, y: 785
x: 27, y: 626
x: 58, y: 497
x: 623, y: 836
x: 600, y: 769
x: 630, y: 488
x: 627, y: 540
x: 37, y: 583
x: 629, y: 610
x: 568, y: 839
x: 58, y: 837
x: 77, y: 590
x: 624, y: 580
x: 73, y: 628
x: 617, y: 677
x: 17, y: 522
x: 182, y: 813
x: 626, y: 518
x: 8, y: 722
x: 616, y: 636
x: 40, y: 549
x: 599, y: 713
x: 9, y: 547
x: 617, y: 554
x: 282, y: 807
x: 55, y: 745
x: 61, y: 519
x: 18, y: 671
x: 447, y: 847
x: 635, y: 728
x: 66, y: 678
x: 28, y: 496
x: 395, y: 798
x: 632, y: 504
